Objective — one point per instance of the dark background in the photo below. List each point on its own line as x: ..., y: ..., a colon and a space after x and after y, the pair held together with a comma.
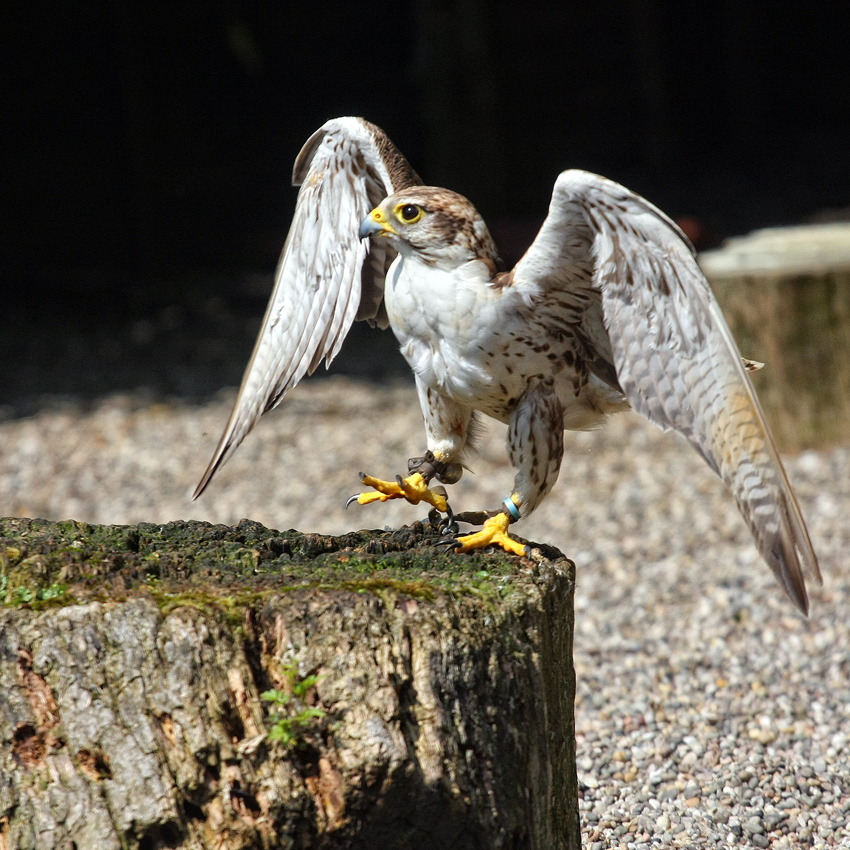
x: 148, y: 149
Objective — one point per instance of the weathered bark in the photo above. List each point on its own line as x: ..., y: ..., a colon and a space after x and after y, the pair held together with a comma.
x: 132, y: 661
x: 786, y: 295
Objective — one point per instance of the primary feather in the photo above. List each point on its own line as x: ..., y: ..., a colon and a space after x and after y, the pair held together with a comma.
x: 673, y: 352
x: 324, y: 279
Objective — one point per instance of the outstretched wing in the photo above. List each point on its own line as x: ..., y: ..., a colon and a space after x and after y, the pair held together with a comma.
x: 326, y: 276
x: 649, y: 311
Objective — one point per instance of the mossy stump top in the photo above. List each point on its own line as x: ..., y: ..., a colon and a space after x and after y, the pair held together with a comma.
x: 413, y: 697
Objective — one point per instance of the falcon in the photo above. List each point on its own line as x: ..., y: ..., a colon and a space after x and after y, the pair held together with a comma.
x: 606, y: 311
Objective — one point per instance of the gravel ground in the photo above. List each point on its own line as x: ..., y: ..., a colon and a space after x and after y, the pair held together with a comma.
x: 709, y: 712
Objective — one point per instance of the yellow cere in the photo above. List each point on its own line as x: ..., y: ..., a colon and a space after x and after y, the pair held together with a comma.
x: 379, y: 216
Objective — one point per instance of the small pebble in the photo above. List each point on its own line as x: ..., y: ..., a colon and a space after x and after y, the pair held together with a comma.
x: 753, y: 826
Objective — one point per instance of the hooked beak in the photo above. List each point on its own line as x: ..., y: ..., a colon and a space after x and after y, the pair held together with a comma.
x: 375, y: 224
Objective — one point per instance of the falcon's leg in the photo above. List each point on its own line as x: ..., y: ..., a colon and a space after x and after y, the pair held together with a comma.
x: 447, y: 425
x: 535, y: 448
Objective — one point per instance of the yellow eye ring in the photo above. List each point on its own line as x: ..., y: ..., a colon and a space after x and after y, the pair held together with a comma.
x: 408, y: 213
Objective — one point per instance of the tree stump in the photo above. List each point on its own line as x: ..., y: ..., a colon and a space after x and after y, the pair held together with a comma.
x: 421, y: 699
x: 785, y: 292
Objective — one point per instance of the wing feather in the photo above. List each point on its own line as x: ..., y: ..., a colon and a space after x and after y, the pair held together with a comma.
x: 674, y: 354
x: 325, y: 277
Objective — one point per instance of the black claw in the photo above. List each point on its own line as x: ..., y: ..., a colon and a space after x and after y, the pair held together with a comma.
x: 399, y: 481
x: 362, y: 475
x: 448, y: 541
x: 448, y: 523
x: 354, y: 498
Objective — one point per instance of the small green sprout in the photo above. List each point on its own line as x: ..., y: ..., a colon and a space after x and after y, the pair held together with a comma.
x: 53, y: 591
x: 291, y: 713
x: 22, y: 595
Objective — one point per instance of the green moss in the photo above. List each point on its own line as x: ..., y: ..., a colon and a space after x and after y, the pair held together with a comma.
x: 228, y: 569
x: 231, y: 608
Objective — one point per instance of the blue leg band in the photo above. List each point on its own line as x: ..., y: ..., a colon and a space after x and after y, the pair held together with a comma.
x: 513, y: 510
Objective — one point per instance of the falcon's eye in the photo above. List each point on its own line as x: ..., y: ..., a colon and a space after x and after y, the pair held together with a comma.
x: 409, y: 213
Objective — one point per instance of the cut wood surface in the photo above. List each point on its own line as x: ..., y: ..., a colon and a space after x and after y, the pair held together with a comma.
x: 785, y: 292
x: 429, y: 697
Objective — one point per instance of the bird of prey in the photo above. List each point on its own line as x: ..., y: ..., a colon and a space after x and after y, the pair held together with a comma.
x: 606, y: 311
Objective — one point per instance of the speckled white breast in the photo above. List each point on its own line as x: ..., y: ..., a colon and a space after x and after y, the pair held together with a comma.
x: 442, y: 322
x: 469, y: 340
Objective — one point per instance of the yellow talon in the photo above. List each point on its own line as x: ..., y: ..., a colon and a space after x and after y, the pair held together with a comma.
x: 414, y: 488
x: 493, y: 533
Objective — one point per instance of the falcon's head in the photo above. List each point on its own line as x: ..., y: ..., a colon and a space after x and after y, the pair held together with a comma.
x: 436, y: 225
